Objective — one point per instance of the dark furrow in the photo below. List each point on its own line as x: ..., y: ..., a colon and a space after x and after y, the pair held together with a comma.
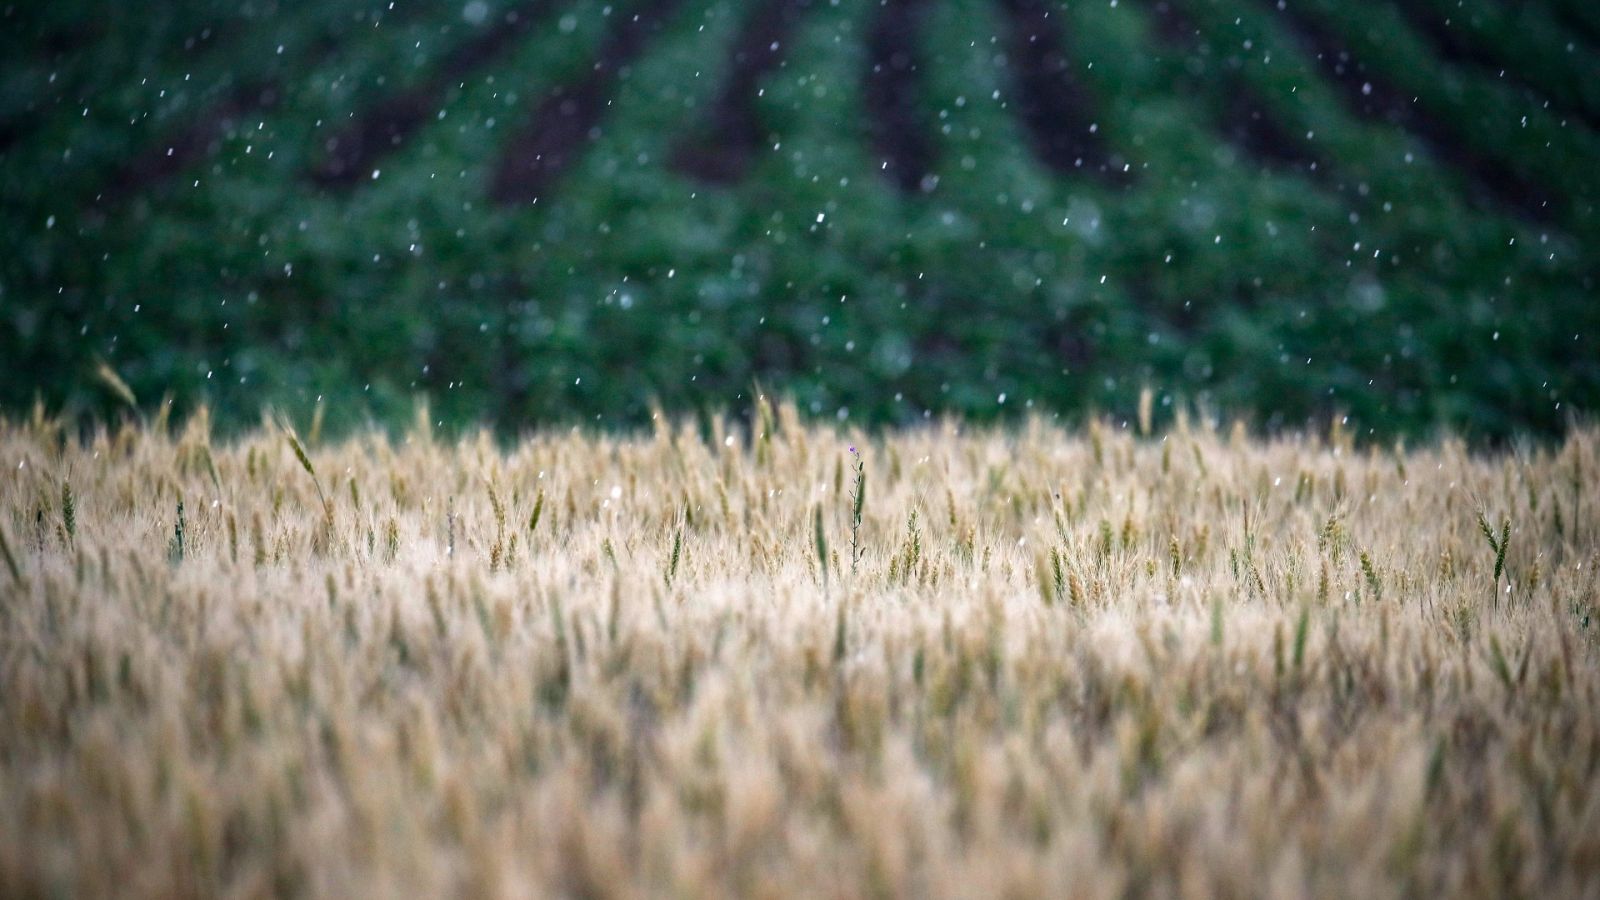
x: 1453, y: 44
x: 900, y: 137
x: 1174, y: 27
x: 1577, y: 15
x: 1050, y: 98
x: 722, y: 147
x: 1243, y: 120
x: 1247, y: 126
x: 1374, y: 99
x: 49, y: 43
x: 570, y: 115
x: 354, y: 151
x: 199, y: 139
x: 54, y: 46
x: 202, y: 135
x: 14, y: 128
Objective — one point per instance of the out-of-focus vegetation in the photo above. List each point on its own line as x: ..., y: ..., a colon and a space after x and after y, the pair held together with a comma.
x: 989, y: 662
x: 567, y: 210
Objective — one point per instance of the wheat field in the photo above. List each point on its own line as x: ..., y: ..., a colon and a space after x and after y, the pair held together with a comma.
x: 771, y: 658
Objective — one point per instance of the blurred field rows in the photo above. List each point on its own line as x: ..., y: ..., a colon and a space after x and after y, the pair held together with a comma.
x: 556, y: 210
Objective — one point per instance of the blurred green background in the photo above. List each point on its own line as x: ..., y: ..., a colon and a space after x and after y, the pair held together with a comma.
x: 563, y: 211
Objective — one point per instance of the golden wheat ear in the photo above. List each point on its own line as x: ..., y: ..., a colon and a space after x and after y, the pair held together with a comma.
x: 111, y: 381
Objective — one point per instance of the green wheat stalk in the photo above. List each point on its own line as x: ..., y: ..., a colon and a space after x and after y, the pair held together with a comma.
x: 820, y: 541
x: 175, y: 549
x: 538, y: 510
x: 677, y: 554
x: 858, y: 501
x: 305, y: 463
x: 11, y: 559
x: 1497, y: 546
x: 69, y: 511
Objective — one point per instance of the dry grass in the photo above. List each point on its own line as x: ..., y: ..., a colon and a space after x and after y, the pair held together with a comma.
x: 1048, y: 664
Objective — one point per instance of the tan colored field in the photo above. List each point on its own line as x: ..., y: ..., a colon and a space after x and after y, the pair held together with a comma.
x: 1052, y: 665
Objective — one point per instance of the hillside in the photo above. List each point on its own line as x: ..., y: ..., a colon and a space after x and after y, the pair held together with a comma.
x: 563, y: 211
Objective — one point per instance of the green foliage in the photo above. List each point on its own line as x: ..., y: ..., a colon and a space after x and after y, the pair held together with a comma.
x: 1382, y: 284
